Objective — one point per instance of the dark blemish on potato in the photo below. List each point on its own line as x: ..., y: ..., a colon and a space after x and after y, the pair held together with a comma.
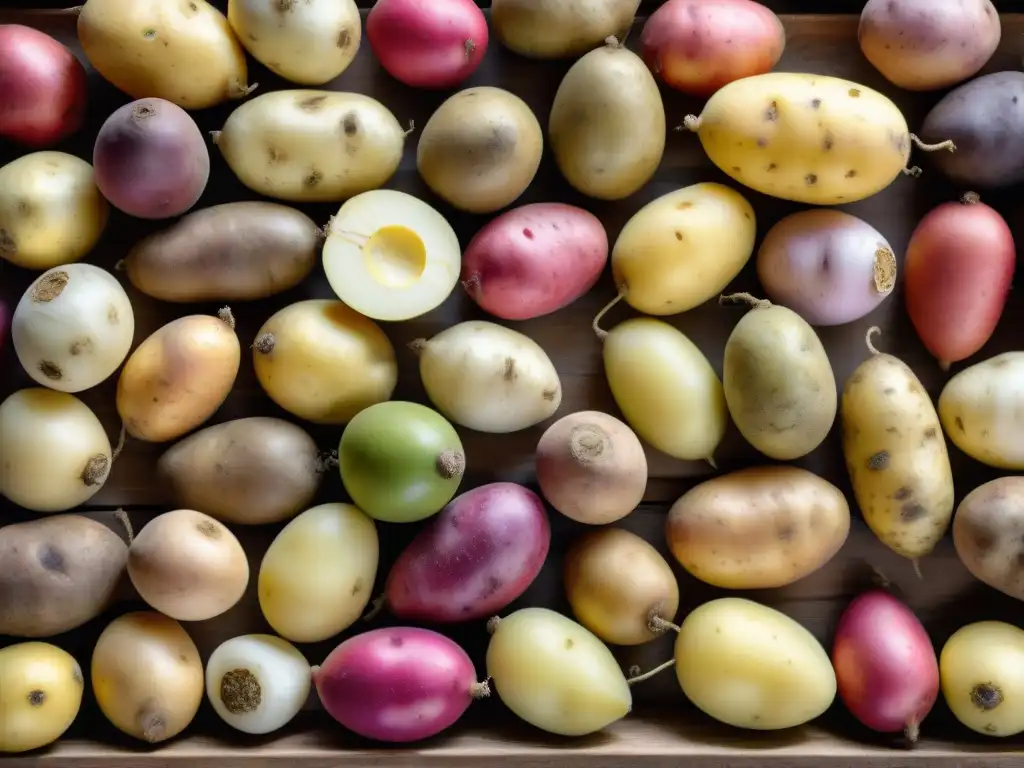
x: 312, y: 103
x: 746, y: 215
x: 854, y: 93
x: 569, y: 643
x: 285, y: 5
x: 986, y: 696
x: 889, y: 391
x: 811, y: 179
x: 679, y: 235
x: 736, y: 169
x: 815, y: 103
x: 357, y: 587
x: 509, y: 374
x: 95, y: 470
x: 344, y: 38
x: 983, y: 541
x: 112, y: 316
x: 396, y: 641
x: 786, y: 532
x: 149, y: 34
x: 828, y: 142
x: 50, y: 370
x: 892, y: 430
x: 209, y: 529
x: 52, y: 560
x: 49, y: 287
x: 903, y: 493
x: 683, y: 206
x: 274, y: 155
x: 878, y: 461
x: 762, y: 142
x: 912, y: 511
x: 771, y: 167
x: 36, y: 698
x: 930, y: 433
x: 549, y: 394
x: 240, y: 691
x: 81, y: 346
x: 772, y: 113
x: 350, y: 124
x: 7, y: 245
x: 528, y: 234
x: 959, y: 423
x: 313, y: 178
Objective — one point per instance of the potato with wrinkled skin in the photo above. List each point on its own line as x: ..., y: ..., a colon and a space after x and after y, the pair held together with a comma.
x: 556, y: 29
x: 986, y: 534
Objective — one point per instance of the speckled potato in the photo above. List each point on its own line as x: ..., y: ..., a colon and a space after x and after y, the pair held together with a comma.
x: 555, y: 29
x: 986, y: 534
x: 758, y: 528
x: 982, y: 672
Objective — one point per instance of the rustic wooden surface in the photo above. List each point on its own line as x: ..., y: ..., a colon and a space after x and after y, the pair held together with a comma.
x: 664, y: 729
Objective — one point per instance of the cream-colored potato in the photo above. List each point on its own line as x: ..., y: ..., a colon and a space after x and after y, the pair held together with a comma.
x: 317, y: 576
x: 555, y: 29
x: 41, y: 689
x: 51, y: 212
x: 982, y: 672
x: 987, y: 534
x: 555, y: 674
x: 683, y: 248
x: 751, y: 666
x: 311, y: 146
x: 980, y: 410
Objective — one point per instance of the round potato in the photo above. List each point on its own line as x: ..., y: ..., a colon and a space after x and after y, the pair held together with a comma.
x: 480, y: 149
x: 758, y: 528
x: 556, y: 29
x: 986, y: 534
x: 982, y: 671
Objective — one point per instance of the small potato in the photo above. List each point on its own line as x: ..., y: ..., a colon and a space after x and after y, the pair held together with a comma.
x: 758, y: 528
x: 982, y: 672
x: 986, y: 534
x: 480, y: 149
x: 231, y: 252
x: 619, y: 586
x: 895, y: 455
x: 51, y: 212
x: 41, y: 690
x: 921, y: 45
x: 311, y: 146
x: 778, y: 382
x: 607, y: 123
x: 559, y: 29
x: 178, y: 377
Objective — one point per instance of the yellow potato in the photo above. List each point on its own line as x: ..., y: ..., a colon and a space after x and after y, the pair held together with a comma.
x: 683, y: 248
x: 809, y: 138
x: 752, y: 667
x: 184, y: 52
x: 896, y: 456
x: 980, y: 411
x: 555, y: 29
x: 40, y: 694
x: 982, y: 672
x: 311, y: 146
x: 758, y: 528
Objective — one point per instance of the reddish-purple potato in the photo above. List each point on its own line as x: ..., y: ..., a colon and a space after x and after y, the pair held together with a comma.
x: 475, y: 557
x: 398, y: 684
x: 150, y: 160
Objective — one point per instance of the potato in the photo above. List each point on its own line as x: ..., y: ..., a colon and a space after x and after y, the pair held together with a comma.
x: 979, y: 412
x: 40, y: 694
x: 665, y: 387
x: 311, y: 146
x: 559, y: 29
x: 57, y: 573
x: 807, y: 138
x: 230, y: 252
x: 178, y: 377
x: 778, y: 382
x: 751, y: 666
x: 51, y: 212
x: 489, y: 378
x: 306, y: 43
x: 480, y: 149
x: 250, y: 471
x: 921, y: 45
x: 607, y: 123
x: 758, y: 528
x: 187, y: 55
x: 982, y: 671
x: 619, y: 586
x: 323, y: 362
x: 895, y: 455
x: 683, y: 248
x: 986, y: 534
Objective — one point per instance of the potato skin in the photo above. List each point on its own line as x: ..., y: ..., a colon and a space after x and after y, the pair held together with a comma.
x: 556, y: 29
x: 921, y: 45
x: 986, y: 534
x: 57, y: 573
x: 231, y: 252
x: 758, y: 528
x: 807, y: 138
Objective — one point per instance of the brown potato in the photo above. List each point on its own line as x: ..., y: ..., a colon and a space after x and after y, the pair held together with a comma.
x: 987, y: 534
x: 248, y: 471
x: 231, y: 252
x: 178, y: 377
x: 759, y: 527
x: 57, y: 573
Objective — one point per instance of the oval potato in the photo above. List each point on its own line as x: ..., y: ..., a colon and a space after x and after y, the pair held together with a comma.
x: 758, y: 528
x: 555, y: 29
x: 987, y: 534
x: 311, y: 146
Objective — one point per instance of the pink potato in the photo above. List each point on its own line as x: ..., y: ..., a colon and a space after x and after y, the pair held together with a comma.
x: 697, y: 46
x: 435, y: 44
x: 150, y: 159
x: 534, y: 260
x: 398, y: 684
x: 475, y: 557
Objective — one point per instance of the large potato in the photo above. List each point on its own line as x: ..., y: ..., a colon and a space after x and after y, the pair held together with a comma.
x: 230, y: 252
x: 555, y: 29
x: 980, y: 412
x: 758, y: 528
x: 982, y: 671
x: 778, y: 382
x: 987, y: 534
x: 896, y: 456
x: 607, y: 124
x: 184, y: 53
x: 311, y: 146
x: 480, y: 149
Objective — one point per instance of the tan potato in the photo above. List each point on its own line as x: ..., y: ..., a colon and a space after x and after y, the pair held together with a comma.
x: 758, y: 528
x: 987, y: 534
x: 178, y: 377
x: 555, y: 29
x: 480, y: 149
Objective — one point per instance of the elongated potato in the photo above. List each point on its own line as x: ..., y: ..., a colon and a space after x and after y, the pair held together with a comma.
x: 896, y: 456
x: 758, y: 528
x: 986, y: 534
x: 555, y: 29
x: 311, y: 146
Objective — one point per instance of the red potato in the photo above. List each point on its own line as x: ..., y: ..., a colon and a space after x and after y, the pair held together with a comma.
x: 398, y: 684
x: 957, y: 273
x: 697, y: 46
x: 534, y: 260
x: 475, y: 557
x: 42, y: 88
x: 150, y: 159
x: 435, y: 44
